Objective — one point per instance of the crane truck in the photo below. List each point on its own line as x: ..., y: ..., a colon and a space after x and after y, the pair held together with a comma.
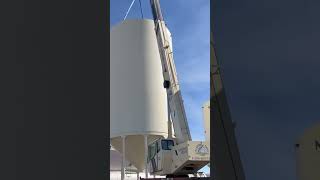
x: 178, y: 155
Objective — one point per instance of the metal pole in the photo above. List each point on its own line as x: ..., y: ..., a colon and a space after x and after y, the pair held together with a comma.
x: 123, y: 157
x: 146, y: 154
x: 137, y: 175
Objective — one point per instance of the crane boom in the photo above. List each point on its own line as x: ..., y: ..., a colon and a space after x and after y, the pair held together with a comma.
x: 176, y: 156
x: 175, y: 103
x: 189, y: 156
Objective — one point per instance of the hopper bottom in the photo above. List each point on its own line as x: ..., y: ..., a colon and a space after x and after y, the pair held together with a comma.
x: 134, y: 148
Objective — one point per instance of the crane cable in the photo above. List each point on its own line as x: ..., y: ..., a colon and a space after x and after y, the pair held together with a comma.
x: 128, y: 10
x: 131, y: 7
x: 141, y: 9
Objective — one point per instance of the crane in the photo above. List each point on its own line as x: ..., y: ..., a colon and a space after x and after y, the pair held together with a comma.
x: 175, y: 102
x: 180, y: 156
x: 177, y: 155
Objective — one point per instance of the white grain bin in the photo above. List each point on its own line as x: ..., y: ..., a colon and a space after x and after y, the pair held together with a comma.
x: 138, y: 101
x: 206, y: 119
x: 308, y: 154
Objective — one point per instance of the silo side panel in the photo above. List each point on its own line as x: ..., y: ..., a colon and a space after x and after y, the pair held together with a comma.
x: 138, y: 102
x: 308, y: 155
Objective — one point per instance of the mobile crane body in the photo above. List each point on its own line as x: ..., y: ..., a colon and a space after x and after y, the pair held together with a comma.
x: 178, y: 155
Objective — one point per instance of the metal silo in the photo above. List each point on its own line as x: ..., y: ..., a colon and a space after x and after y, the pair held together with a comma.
x: 206, y: 119
x: 308, y: 154
x: 138, y: 100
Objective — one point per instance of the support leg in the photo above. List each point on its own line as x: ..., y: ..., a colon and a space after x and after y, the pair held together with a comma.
x: 123, y: 157
x: 146, y: 154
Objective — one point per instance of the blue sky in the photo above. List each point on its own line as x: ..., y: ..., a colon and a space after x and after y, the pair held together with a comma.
x: 189, y: 24
x: 190, y: 28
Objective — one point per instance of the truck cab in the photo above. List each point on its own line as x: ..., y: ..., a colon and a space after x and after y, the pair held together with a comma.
x: 166, y: 157
x: 159, y: 156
